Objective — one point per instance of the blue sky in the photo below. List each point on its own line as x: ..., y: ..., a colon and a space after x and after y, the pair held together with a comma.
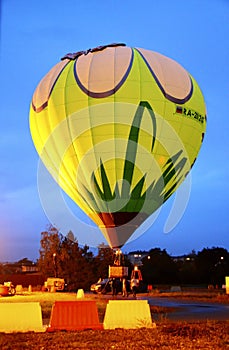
x: 36, y: 34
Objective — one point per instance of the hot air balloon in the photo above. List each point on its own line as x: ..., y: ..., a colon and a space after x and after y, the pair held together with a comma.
x: 118, y: 128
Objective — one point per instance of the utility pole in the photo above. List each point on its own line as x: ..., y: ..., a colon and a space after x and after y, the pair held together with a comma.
x: 55, y: 265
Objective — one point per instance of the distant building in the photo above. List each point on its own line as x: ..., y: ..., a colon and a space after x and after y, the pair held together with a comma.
x: 136, y: 257
x: 189, y: 257
x: 29, y: 268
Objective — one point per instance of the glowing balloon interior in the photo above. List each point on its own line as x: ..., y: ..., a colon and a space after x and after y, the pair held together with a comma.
x: 119, y: 129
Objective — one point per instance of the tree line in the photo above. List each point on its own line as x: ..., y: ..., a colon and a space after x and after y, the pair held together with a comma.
x: 207, y: 267
x: 63, y: 257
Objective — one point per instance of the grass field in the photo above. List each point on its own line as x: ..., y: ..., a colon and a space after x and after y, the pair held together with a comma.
x: 166, y: 335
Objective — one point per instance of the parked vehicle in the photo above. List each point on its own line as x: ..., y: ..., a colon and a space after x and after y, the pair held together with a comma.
x: 101, y: 286
x: 107, y: 285
x: 54, y: 284
x: 7, y: 289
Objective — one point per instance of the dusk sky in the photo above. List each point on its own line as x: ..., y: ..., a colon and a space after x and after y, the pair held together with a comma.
x: 36, y: 34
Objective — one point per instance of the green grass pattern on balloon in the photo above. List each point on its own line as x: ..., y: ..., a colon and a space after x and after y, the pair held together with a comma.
x: 157, y: 193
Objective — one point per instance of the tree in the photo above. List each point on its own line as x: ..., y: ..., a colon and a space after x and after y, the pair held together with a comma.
x: 62, y: 257
x: 186, y: 268
x: 158, y: 267
x: 104, y: 258
x: 76, y: 264
x: 212, y: 265
x: 48, y: 262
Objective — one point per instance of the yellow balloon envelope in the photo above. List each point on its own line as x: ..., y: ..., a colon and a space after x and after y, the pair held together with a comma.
x: 119, y: 129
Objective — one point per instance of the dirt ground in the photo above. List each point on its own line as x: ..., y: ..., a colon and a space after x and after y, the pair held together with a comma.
x: 198, y: 335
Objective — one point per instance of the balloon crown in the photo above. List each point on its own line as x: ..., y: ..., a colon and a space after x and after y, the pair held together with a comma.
x: 75, y: 55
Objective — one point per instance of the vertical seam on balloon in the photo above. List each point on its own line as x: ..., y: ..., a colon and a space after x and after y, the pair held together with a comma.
x: 114, y: 123
x: 90, y: 106
x: 71, y: 191
x: 169, y: 97
x: 61, y: 155
x: 90, y: 118
x: 69, y: 131
x: 79, y: 196
x: 136, y: 58
x: 89, y: 112
x: 64, y: 120
x: 164, y: 102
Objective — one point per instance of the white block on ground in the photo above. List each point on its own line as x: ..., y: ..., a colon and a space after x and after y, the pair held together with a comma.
x: 19, y: 289
x: 227, y: 284
x: 21, y: 317
x: 127, y: 314
x: 80, y: 294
